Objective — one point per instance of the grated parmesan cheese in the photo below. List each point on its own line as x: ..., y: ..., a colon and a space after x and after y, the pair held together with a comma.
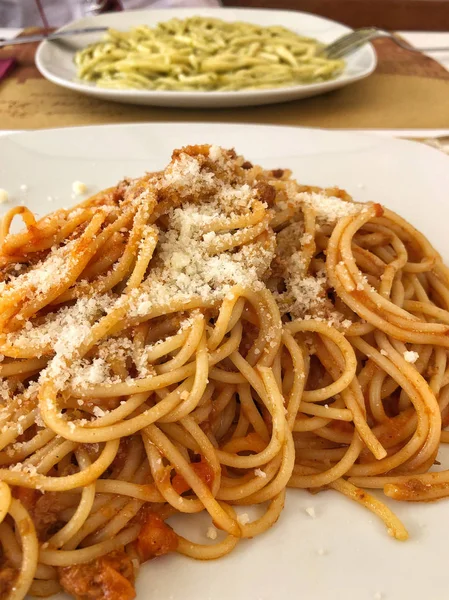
x: 243, y: 519
x: 311, y: 512
x: 327, y: 208
x: 98, y: 412
x: 187, y: 268
x: 410, y: 356
x: 211, y: 533
x: 260, y: 473
x: 79, y: 188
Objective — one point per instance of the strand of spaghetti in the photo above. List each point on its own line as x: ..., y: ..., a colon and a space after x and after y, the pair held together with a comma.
x: 275, y: 406
x: 178, y: 434
x: 242, y: 426
x: 345, y: 348
x: 123, y: 517
x: 28, y: 218
x: 375, y: 397
x: 5, y: 500
x: 241, y: 237
x: 159, y: 381
x: 270, y: 517
x: 236, y: 490
x: 353, y: 400
x: 82, y: 512
x: 257, y: 213
x: 102, y: 511
x: 303, y: 424
x: 427, y: 309
x: 395, y: 527
x: 67, y: 482
x: 41, y: 452
x: 288, y: 451
x: 206, y: 449
x: 420, y: 435
x: 147, y: 246
x: 167, y: 346
x: 54, y: 456
x: 198, y: 387
x: 270, y: 326
x: 116, y: 524
x: 206, y: 551
x: 120, y: 270
x: 29, y: 543
x: 161, y: 476
x: 146, y: 492
x: 21, y: 367
x: 13, y: 552
x: 345, y: 248
x: 12, y: 429
x: 347, y: 294
x: 249, y: 408
x: 328, y: 476
x: 340, y: 414
x: 247, y: 373
x: 80, y: 253
x: 95, y: 433
x: 227, y: 377
x: 411, y: 232
x: 65, y: 558
x: 224, y: 316
x: 299, y: 377
x: 197, y: 485
x: 430, y: 447
x: 51, y: 234
x: 282, y: 478
x: 189, y: 347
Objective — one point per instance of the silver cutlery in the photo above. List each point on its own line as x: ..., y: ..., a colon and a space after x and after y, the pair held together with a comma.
x: 350, y: 42
x: 38, y: 37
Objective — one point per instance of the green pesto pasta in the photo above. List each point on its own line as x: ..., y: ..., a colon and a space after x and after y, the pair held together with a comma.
x: 204, y: 54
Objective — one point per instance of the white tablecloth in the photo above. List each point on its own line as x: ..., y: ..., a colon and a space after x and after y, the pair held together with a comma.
x: 430, y: 39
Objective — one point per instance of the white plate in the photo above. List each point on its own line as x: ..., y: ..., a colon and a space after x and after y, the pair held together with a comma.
x: 360, y: 559
x: 55, y: 59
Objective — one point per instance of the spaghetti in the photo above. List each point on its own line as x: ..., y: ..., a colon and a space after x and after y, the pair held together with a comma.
x: 200, y: 339
x: 204, y: 54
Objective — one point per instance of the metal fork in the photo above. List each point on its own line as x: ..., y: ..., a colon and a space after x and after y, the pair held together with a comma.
x: 38, y: 37
x: 350, y: 42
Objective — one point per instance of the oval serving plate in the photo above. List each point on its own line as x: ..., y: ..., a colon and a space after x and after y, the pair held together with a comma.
x: 54, y: 59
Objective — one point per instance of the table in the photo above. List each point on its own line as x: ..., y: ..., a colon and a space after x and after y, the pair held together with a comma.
x: 407, y: 91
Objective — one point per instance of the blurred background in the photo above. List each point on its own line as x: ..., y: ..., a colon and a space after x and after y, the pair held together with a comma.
x: 411, y: 15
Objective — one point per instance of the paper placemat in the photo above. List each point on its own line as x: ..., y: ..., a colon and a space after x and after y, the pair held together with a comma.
x: 408, y: 90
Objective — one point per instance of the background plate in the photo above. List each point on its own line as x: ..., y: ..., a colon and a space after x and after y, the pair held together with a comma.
x: 359, y: 560
x: 55, y: 59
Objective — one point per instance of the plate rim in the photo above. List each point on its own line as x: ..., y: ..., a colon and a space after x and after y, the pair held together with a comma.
x: 193, y: 95
x: 363, y: 133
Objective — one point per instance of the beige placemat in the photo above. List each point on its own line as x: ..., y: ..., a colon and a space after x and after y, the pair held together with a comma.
x: 408, y: 90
